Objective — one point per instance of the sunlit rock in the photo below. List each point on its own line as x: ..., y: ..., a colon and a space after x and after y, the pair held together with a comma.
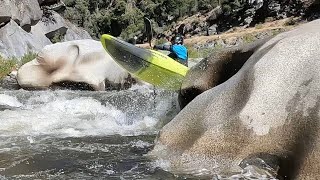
x: 81, y: 61
x: 271, y: 106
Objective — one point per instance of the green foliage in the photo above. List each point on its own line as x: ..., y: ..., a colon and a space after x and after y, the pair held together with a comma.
x: 160, y: 41
x: 202, y: 52
x: 258, y: 26
x: 9, y: 64
x: 27, y: 58
x: 96, y: 16
x: 248, y: 38
x: 58, y: 37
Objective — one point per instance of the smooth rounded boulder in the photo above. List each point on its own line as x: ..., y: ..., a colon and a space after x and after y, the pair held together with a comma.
x: 215, y: 69
x: 80, y: 61
x: 267, y: 112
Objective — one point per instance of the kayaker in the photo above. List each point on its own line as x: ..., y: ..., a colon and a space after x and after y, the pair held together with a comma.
x: 177, y: 50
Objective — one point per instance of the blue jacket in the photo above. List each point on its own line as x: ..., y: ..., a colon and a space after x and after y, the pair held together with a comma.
x: 178, y: 52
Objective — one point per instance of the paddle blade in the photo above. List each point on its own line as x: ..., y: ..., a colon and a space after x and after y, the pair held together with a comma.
x: 148, y: 29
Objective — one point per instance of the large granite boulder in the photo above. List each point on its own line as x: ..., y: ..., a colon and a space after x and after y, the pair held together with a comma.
x: 268, y: 112
x: 215, y: 69
x: 16, y: 42
x: 25, y: 13
x: 75, y: 33
x: 5, y: 13
x: 55, y: 26
x: 80, y: 61
x: 25, y: 27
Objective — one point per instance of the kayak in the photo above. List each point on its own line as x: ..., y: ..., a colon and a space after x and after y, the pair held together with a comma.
x: 148, y: 65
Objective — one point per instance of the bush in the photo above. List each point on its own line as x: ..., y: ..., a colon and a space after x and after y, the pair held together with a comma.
x: 96, y: 16
x: 27, y: 58
x: 7, y: 65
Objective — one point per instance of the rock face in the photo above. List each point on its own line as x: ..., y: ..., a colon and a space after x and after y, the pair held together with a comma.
x: 25, y: 13
x: 215, y: 70
x: 80, y: 61
x: 9, y: 82
x: 55, y: 26
x: 25, y: 27
x: 269, y: 110
x: 14, y: 41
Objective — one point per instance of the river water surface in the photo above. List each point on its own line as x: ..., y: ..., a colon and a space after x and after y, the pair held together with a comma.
x: 87, y: 135
x: 82, y: 134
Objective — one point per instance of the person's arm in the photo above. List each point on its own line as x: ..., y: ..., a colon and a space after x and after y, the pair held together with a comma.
x: 162, y: 47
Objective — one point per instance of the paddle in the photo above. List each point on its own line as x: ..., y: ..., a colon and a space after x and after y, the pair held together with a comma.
x: 148, y: 30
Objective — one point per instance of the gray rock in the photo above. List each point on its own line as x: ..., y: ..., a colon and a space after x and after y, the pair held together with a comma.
x: 5, y: 14
x: 26, y: 13
x: 14, y: 41
x: 10, y: 82
x: 51, y: 26
x: 212, y: 30
x: 57, y: 26
x: 75, y: 33
x: 272, y: 105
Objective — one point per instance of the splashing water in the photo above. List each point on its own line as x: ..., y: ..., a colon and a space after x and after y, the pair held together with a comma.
x: 88, y: 135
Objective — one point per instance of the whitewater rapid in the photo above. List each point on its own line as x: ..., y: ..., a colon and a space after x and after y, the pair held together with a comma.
x: 74, y: 113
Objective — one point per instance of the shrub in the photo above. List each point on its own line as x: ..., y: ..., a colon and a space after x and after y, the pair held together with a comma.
x: 9, y: 64
x: 27, y: 58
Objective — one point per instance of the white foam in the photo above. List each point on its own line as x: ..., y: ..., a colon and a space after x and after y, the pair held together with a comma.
x: 9, y: 101
x: 52, y: 114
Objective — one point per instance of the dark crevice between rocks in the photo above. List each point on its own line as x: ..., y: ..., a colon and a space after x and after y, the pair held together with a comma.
x: 26, y: 27
x: 57, y: 35
x: 69, y: 85
x: 4, y: 20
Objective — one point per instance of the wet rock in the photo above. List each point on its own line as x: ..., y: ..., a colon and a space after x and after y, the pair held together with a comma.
x: 10, y: 82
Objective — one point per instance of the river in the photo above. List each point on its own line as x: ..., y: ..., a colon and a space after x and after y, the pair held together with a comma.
x: 82, y: 134
x: 67, y: 134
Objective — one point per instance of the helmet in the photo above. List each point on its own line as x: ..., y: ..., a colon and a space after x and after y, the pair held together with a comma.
x: 178, y: 39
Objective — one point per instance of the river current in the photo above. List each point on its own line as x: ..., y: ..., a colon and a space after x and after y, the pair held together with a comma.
x: 67, y: 134
x: 81, y: 134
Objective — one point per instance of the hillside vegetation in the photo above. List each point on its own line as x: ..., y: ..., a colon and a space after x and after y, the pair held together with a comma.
x: 125, y: 17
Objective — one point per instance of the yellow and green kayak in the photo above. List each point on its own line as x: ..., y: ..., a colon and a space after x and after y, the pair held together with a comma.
x: 148, y: 65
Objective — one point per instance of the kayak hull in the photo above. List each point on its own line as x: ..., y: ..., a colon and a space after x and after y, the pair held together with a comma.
x: 148, y: 65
